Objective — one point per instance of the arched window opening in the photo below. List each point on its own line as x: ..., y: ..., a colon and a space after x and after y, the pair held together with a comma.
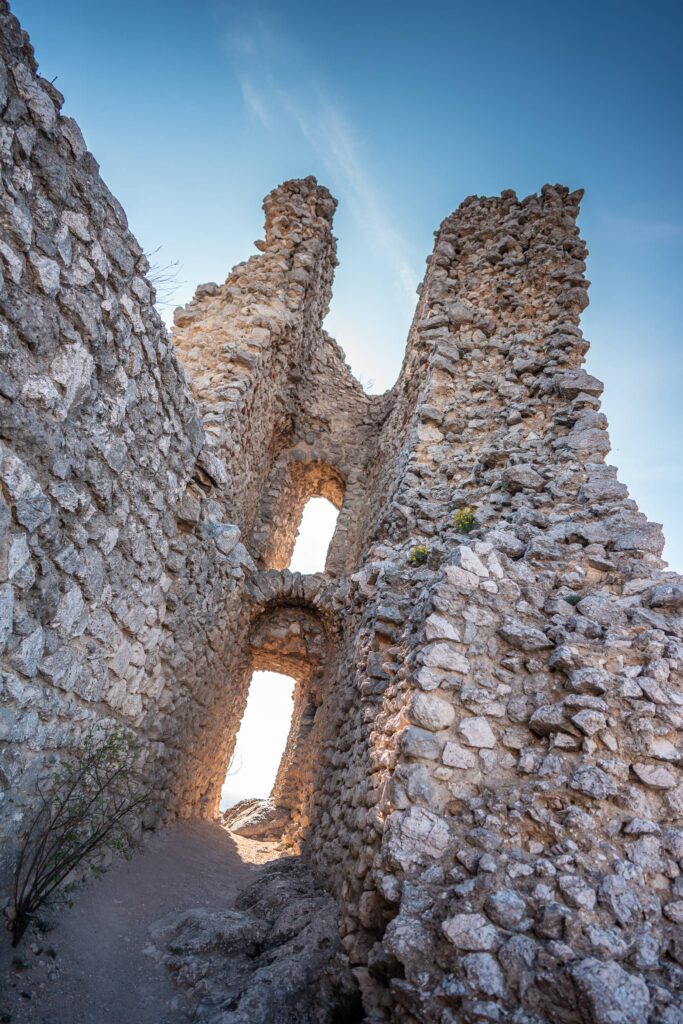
x: 261, y: 739
x: 314, y: 535
x: 303, y: 500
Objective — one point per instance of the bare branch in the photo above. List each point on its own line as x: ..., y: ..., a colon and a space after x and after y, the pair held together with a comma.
x: 88, y: 810
x: 165, y: 279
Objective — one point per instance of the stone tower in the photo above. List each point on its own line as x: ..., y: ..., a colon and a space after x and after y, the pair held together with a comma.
x: 484, y: 764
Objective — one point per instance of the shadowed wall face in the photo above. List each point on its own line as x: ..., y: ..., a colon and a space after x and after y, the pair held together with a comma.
x: 101, y: 449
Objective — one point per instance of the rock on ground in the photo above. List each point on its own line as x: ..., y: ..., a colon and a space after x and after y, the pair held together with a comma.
x: 256, y: 819
x: 275, y: 958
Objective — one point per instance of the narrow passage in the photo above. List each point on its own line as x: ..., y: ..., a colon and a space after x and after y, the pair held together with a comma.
x: 93, y: 966
x: 265, y: 726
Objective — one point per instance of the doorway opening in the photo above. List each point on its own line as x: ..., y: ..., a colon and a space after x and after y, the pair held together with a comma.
x: 261, y: 739
x: 317, y: 526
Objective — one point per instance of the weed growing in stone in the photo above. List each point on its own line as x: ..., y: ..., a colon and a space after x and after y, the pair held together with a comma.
x: 88, y: 810
x: 464, y: 519
x: 419, y: 555
x: 573, y: 598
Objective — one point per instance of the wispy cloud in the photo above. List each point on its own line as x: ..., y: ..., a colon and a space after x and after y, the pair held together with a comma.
x: 332, y: 139
x: 254, y: 101
x: 322, y: 124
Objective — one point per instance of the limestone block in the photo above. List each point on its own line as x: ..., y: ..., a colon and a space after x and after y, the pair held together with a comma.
x: 446, y: 656
x: 613, y: 996
x: 471, y: 932
x: 26, y: 658
x: 431, y: 712
x: 476, y: 732
x: 415, y: 836
x: 523, y: 637
x: 416, y: 742
x: 655, y: 776
x: 456, y: 756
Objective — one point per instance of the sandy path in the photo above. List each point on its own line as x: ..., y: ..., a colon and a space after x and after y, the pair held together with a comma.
x: 100, y: 974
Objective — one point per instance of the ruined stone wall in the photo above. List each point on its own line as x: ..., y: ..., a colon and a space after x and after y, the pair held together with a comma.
x: 243, y: 342
x: 484, y: 760
x: 334, y: 437
x: 109, y: 589
x: 300, y: 425
x: 123, y: 571
x: 531, y: 820
x: 498, y: 806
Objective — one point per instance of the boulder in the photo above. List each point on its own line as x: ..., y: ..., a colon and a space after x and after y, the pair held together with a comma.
x: 256, y: 819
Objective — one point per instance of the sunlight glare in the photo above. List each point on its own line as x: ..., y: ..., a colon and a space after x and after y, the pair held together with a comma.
x: 315, y: 533
x: 261, y: 738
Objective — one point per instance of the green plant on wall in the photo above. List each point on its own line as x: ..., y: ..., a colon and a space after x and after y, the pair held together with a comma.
x: 465, y: 520
x: 419, y: 555
x: 88, y: 809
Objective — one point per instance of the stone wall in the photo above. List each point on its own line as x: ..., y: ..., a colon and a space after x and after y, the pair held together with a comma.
x: 531, y: 832
x: 120, y: 576
x: 484, y: 760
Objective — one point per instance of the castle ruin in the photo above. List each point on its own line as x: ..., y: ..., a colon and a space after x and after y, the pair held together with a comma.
x: 485, y: 764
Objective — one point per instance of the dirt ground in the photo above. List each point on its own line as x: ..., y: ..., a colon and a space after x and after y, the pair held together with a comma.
x: 91, y: 967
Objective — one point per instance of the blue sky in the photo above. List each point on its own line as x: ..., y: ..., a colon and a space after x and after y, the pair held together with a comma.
x: 196, y: 110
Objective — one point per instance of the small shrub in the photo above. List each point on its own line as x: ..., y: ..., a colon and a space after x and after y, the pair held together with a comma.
x: 573, y: 598
x: 464, y: 520
x: 85, y: 812
x: 419, y: 555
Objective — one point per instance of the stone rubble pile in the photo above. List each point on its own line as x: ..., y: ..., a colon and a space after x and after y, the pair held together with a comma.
x: 274, y: 959
x: 484, y: 766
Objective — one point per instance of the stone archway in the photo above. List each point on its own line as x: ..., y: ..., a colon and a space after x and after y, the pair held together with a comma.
x: 294, y: 480
x: 292, y: 640
x: 288, y: 634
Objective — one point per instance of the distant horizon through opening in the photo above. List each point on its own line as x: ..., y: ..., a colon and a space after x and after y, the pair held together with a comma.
x: 261, y: 739
x: 316, y: 529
